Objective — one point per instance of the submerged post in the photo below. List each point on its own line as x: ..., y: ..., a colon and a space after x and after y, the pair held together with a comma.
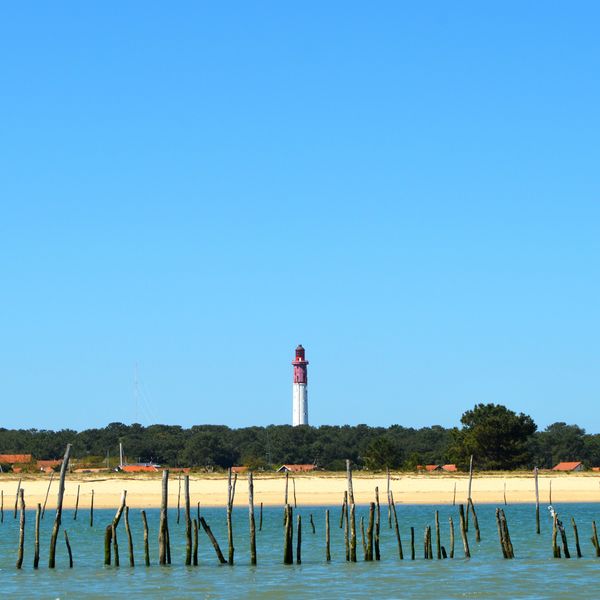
x: 451, y: 523
x: 463, y: 531
x: 129, y: 539
x: 146, y: 544
x: 17, y: 499
x: 195, y: 548
x: 188, y: 521
x: 21, y: 529
x: 576, y: 534
x: 377, y: 524
x: 230, y: 496
x: 438, y: 543
x: 92, y: 510
x: 396, y: 528
x: 163, y: 524
x: 288, y: 553
x: 537, y: 501
x: 36, y: 543
x: 69, y: 552
x: 57, y: 519
x: 76, y: 504
x: 213, y: 541
x: 327, y: 538
x: 469, y: 491
x: 299, y: 541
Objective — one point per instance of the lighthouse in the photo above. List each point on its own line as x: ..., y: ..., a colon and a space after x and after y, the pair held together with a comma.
x: 299, y: 392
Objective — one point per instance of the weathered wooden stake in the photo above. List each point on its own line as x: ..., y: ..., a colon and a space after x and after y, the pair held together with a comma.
x: 285, y: 495
x: 146, y: 544
x: 451, y: 523
x: 471, y: 506
x: 505, y: 503
x: 188, y: 521
x: 198, y: 511
x: 469, y: 491
x: 251, y: 518
x: 438, y: 543
x: 288, y: 552
x: 299, y: 541
x: 352, y: 533
x: 21, y: 529
x: 47, y: 492
x: 463, y: 531
x: 92, y: 510
x: 343, y: 513
x: 213, y: 541
x: 17, y: 499
x: 115, y: 544
x: 346, y: 517
x: 57, y: 519
x: 363, y: 537
x: 230, y: 496
x: 327, y: 537
x: 595, y: 539
x: 555, y: 548
x: 369, y: 553
x: 377, y: 524
x: 69, y: 551
x: 506, y: 535
x: 178, y: 497
x: 36, y: 543
x: 388, y: 498
x: 550, y: 492
x: 163, y: 524
x: 396, y: 528
x: 129, y: 539
x: 294, y: 491
x: 412, y: 543
x: 76, y: 505
x: 349, y: 479
x: 107, y: 544
x: 576, y: 534
x: 537, y: 501
x: 195, y: 548
x: 563, y: 537
x: 454, y: 495
x: 501, y: 534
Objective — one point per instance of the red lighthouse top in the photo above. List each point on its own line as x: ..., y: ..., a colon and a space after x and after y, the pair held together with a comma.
x: 300, y: 364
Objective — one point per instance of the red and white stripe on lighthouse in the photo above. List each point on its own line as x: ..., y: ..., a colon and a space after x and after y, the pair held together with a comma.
x: 299, y: 392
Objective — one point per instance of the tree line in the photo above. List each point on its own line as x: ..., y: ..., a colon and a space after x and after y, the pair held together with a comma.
x: 498, y: 438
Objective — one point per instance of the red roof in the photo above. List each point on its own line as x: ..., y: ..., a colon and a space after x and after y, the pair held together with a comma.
x: 297, y: 468
x: 239, y: 469
x: 139, y: 469
x: 596, y: 469
x: 450, y: 468
x: 566, y: 466
x: 432, y: 467
x: 15, y: 458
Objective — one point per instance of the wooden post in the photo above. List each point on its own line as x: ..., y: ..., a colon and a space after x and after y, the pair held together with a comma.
x: 451, y: 523
x: 57, y: 519
x: 369, y: 552
x: 437, y: 535
x: 121, y: 508
x: 129, y: 540
x: 327, y: 538
x: 198, y: 511
x: 76, y: 505
x: 475, y: 520
x: 412, y: 543
x: 388, y: 498
x: 429, y: 545
x: 92, y: 510
x: 21, y: 529
x: 294, y: 491
x: 454, y: 495
x: 555, y: 548
x: 469, y: 491
x: 363, y: 537
x: 349, y: 479
x: 230, y: 496
x: 36, y: 543
x: 47, y: 492
x: 576, y: 534
x: 563, y: 537
x: 463, y: 531
x: 195, y: 548
x: 17, y: 499
x: 346, y: 518
x: 213, y: 540
x: 509, y: 547
x: 377, y: 524
x: 396, y: 528
x: 115, y: 544
x: 260, y: 517
x: 501, y: 534
x: 425, y: 544
x: 288, y: 553
x: 299, y: 541
x: 163, y: 524
x: 251, y: 518
x: 550, y: 493
x: 188, y: 521
x: 146, y: 544
x: 285, y: 496
x: 537, y: 501
x: 352, y: 533
x: 343, y: 513
x: 107, y: 543
x: 312, y: 524
x: 178, y: 497
x: 595, y: 539
x: 70, y: 553
x: 505, y: 503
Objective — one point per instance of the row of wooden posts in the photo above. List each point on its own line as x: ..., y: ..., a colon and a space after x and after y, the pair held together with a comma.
x: 370, y: 538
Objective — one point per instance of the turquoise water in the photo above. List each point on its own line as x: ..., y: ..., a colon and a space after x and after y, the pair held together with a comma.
x: 533, y: 573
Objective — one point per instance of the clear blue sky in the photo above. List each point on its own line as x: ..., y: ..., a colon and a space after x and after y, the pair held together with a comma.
x: 410, y: 190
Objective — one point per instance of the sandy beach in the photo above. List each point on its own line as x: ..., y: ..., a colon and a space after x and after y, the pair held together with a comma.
x: 322, y: 489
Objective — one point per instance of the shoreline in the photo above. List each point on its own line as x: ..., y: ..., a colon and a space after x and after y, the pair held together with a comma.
x: 322, y: 489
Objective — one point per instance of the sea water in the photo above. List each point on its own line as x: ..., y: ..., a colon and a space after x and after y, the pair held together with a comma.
x: 534, y: 573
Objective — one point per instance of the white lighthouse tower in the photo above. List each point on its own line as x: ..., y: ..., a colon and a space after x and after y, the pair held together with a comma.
x: 299, y: 393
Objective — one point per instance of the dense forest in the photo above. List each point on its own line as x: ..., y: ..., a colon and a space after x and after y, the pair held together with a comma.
x: 498, y: 438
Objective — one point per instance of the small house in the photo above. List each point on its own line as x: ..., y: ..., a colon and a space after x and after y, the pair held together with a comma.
x: 570, y: 467
x: 296, y: 468
x: 449, y: 468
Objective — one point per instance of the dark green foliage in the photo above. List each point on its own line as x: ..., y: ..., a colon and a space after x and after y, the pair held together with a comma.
x: 498, y: 437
